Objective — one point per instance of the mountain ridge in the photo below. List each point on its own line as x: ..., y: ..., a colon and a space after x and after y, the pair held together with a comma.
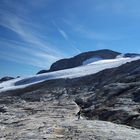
x: 79, y: 59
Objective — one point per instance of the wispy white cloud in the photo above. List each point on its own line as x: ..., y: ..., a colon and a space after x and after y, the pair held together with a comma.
x: 12, y: 56
x: 66, y: 37
x: 17, y: 25
x: 19, y: 52
x: 63, y: 33
x: 38, y: 50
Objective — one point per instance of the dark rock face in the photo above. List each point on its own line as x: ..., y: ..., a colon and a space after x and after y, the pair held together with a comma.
x: 5, y: 79
x: 2, y: 110
x: 116, y: 98
x: 42, y: 71
x: 131, y: 55
x: 79, y: 59
x: 116, y: 103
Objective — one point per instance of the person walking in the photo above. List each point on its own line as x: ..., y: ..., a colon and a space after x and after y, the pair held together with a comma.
x: 79, y: 114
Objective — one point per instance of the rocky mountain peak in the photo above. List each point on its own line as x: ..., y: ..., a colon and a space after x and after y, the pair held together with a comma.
x: 78, y: 60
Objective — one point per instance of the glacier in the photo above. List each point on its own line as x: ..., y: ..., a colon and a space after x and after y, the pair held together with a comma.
x: 84, y: 70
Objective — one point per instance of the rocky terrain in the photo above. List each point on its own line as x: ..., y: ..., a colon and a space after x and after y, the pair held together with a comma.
x: 109, y: 102
x: 52, y: 119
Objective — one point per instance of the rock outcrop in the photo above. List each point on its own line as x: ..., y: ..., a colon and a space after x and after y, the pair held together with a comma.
x: 79, y: 59
x: 55, y: 119
x: 43, y: 71
x: 6, y: 78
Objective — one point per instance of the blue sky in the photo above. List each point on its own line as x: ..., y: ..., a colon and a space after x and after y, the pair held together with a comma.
x: 36, y: 33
